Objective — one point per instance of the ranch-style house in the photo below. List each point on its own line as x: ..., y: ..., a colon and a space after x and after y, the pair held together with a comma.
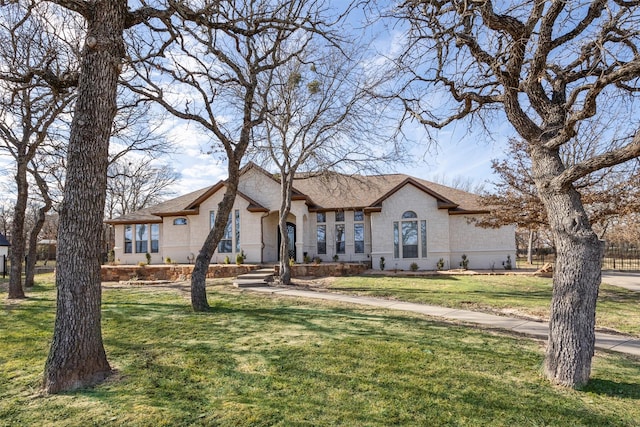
x: 359, y: 218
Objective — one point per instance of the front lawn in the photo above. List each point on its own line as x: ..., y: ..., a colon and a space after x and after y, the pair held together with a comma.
x: 258, y: 360
x: 618, y: 309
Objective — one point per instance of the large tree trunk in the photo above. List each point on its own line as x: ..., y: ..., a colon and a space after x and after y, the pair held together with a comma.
x: 576, y: 278
x: 77, y: 357
x: 285, y: 208
x: 16, y: 257
x: 199, y: 274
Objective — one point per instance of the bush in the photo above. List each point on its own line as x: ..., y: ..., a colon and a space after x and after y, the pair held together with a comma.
x: 464, y: 264
x: 381, y: 263
x: 440, y: 264
x: 336, y: 258
x: 167, y: 260
x: 148, y: 256
x: 226, y: 260
x: 413, y: 266
x: 507, y: 264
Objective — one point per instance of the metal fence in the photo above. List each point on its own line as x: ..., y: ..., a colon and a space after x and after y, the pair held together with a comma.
x: 615, y: 258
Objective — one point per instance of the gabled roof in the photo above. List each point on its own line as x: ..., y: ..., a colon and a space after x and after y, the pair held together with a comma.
x: 4, y: 241
x: 337, y: 191
x: 329, y: 191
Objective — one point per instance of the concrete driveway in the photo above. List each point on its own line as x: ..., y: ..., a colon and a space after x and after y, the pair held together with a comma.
x: 625, y: 280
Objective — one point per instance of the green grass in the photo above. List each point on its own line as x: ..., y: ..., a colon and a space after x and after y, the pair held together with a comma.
x: 617, y: 309
x: 259, y: 360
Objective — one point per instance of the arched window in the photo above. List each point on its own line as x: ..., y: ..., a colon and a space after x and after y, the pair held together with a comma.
x: 410, y: 237
x: 180, y: 221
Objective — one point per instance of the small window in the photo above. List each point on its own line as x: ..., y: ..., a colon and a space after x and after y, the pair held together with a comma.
x: 180, y: 221
x: 340, y: 216
x: 409, y: 214
x: 322, y: 239
x: 358, y: 239
x: 321, y: 217
x: 225, y: 244
x: 155, y: 238
x: 358, y: 216
x: 142, y: 238
x: 340, y: 239
x: 128, y: 239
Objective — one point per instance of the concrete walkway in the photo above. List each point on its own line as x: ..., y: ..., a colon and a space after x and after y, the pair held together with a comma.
x: 625, y: 280
x: 619, y: 343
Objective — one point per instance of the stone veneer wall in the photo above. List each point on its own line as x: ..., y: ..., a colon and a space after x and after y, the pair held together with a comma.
x: 327, y: 269
x: 173, y: 272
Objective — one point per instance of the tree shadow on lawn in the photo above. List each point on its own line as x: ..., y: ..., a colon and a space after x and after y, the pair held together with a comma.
x: 613, y: 389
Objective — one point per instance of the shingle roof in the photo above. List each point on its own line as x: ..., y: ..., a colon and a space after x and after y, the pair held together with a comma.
x: 328, y: 191
x: 336, y: 191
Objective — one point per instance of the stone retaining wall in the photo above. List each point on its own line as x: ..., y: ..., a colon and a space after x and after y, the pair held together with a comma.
x: 327, y: 269
x: 173, y: 272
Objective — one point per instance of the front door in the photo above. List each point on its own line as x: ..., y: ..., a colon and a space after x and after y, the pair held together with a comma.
x: 291, y: 234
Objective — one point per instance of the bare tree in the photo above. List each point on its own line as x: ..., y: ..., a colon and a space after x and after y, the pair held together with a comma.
x: 35, y: 81
x: 137, y: 183
x: 319, y: 118
x: 214, y: 72
x: 551, y: 67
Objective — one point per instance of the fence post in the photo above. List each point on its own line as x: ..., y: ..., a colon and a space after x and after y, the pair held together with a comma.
x: 4, y: 266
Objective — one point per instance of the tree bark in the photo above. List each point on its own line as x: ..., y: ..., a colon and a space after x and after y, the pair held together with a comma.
x: 77, y: 357
x: 285, y: 209
x: 199, y: 275
x: 16, y: 256
x: 576, y: 277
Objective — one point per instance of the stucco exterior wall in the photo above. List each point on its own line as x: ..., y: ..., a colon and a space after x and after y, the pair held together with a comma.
x: 409, y: 198
x: 486, y: 248
x: 447, y: 236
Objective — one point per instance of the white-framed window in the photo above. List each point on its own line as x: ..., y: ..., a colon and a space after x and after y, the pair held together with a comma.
x: 155, y: 238
x: 141, y: 238
x: 340, y: 239
x: 225, y: 246
x: 128, y: 239
x: 358, y: 238
x: 180, y: 221
x: 410, y: 236
x: 321, y: 236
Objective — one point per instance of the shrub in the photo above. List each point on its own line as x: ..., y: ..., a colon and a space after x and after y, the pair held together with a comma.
x: 141, y: 264
x: 226, y: 260
x: 336, y: 258
x: 292, y: 262
x: 507, y: 264
x: 307, y: 258
x: 464, y: 264
x: 148, y: 256
x: 317, y: 260
x: 167, y: 260
x: 381, y: 263
x: 413, y: 266
x: 440, y: 264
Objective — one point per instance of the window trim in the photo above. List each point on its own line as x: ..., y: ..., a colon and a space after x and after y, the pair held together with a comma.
x: 180, y: 221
